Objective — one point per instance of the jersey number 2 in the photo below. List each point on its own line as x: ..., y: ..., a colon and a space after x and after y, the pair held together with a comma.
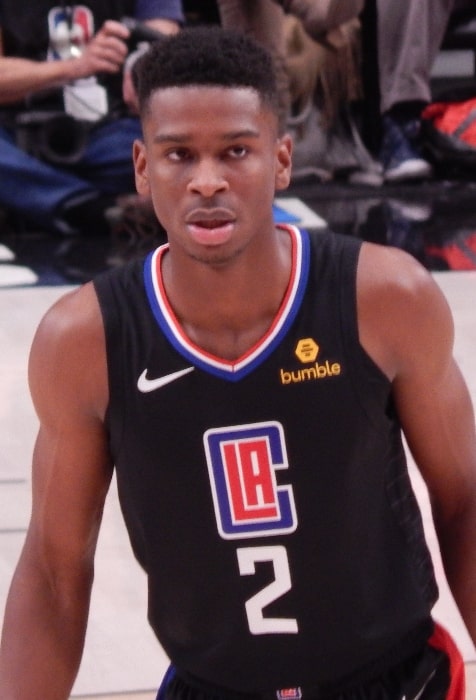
x: 257, y: 622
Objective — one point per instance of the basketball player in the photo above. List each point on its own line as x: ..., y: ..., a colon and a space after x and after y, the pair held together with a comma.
x: 248, y: 383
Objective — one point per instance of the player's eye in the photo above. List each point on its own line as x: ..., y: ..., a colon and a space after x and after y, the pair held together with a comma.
x: 238, y: 151
x: 178, y: 154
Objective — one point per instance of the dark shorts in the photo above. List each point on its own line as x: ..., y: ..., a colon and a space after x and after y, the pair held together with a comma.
x: 435, y: 673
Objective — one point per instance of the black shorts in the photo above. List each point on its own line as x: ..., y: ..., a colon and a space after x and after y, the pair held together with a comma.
x: 435, y: 673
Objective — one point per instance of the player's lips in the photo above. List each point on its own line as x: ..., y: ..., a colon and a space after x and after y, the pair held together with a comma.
x: 210, y: 217
x: 210, y: 226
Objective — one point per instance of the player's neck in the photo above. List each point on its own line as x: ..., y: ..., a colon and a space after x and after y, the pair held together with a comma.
x: 226, y: 310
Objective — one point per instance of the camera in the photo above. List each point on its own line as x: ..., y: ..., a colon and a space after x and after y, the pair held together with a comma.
x: 140, y: 32
x: 54, y: 136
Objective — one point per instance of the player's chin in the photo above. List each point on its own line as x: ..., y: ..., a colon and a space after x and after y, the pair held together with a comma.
x: 217, y: 256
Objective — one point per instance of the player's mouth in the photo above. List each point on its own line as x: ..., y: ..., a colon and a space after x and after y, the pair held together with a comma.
x: 210, y: 227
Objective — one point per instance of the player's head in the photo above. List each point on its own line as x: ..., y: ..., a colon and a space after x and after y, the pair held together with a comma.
x: 211, y: 140
x: 206, y: 56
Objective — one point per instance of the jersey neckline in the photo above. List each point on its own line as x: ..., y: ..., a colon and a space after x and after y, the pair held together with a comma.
x: 194, y: 354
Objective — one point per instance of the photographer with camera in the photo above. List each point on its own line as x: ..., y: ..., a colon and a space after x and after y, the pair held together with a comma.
x: 67, y: 119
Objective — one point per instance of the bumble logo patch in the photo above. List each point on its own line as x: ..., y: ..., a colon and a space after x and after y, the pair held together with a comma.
x: 307, y: 351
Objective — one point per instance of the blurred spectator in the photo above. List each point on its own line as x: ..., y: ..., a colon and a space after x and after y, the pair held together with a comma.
x: 264, y: 20
x: 316, y: 52
x: 66, y: 127
x: 409, y: 36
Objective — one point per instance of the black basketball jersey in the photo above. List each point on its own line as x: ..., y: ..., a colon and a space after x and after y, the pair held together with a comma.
x: 268, y: 498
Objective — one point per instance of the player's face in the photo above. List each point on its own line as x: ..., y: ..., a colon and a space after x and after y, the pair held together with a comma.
x: 211, y: 160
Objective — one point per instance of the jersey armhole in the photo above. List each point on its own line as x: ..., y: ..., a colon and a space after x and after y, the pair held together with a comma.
x: 103, y: 285
x: 371, y: 385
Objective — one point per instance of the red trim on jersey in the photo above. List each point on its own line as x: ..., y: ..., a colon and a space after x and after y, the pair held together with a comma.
x: 442, y: 640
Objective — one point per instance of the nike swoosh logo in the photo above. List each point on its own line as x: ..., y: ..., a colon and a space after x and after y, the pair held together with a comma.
x: 145, y: 385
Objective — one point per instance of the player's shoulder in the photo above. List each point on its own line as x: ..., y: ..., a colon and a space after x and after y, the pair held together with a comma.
x: 398, y: 266
x: 67, y: 357
x: 395, y: 277
x: 71, y: 331
x: 76, y: 311
x: 401, y: 310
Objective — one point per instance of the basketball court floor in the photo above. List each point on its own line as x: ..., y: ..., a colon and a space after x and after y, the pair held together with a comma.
x: 122, y: 659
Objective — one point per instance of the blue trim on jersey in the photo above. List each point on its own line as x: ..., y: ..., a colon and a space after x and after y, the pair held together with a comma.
x: 241, y: 368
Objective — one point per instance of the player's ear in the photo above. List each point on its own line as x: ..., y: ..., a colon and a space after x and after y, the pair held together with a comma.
x: 140, y: 168
x: 283, y: 162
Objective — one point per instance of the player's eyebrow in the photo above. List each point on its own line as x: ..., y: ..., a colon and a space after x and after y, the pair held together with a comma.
x: 227, y: 136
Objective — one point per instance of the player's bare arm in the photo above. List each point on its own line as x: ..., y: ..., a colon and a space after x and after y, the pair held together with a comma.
x: 47, y: 608
x: 406, y: 326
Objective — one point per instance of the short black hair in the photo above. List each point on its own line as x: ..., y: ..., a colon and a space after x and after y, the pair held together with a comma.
x: 210, y: 56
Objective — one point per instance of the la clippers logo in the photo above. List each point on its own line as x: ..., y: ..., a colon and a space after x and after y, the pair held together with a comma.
x: 242, y: 463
